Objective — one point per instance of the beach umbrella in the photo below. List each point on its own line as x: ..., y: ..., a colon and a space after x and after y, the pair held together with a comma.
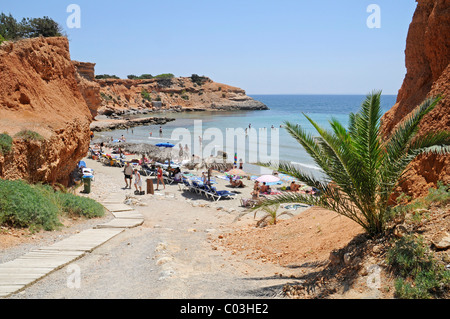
x: 287, y: 178
x: 268, y: 179
x: 165, y: 145
x: 236, y: 171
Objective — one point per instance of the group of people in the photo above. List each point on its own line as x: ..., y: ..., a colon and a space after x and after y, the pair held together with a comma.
x: 260, y: 189
x: 130, y: 173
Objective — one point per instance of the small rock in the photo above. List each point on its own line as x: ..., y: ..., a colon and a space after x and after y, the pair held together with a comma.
x: 443, y: 243
x: 163, y: 260
x: 376, y: 249
x: 347, y: 259
x: 334, y: 258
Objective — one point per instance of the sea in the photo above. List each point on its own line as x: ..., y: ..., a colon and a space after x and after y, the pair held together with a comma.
x: 251, y: 136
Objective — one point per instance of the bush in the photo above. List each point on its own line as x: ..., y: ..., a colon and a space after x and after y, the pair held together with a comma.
x: 29, y: 135
x: 106, y: 76
x: 165, y: 76
x: 199, y: 80
x: 39, y: 206
x: 5, y: 143
x: 145, y: 95
x: 420, y: 276
x: 80, y: 206
x: 439, y: 195
x: 10, y: 29
x: 22, y: 205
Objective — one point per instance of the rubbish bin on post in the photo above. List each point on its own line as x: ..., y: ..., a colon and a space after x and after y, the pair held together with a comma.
x: 87, y: 183
x: 150, y: 189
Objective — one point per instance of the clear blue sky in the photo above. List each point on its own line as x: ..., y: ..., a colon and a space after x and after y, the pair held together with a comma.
x: 261, y: 46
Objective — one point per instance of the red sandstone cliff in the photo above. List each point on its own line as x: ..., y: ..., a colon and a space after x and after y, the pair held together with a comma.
x: 39, y: 92
x: 89, y: 88
x: 427, y: 59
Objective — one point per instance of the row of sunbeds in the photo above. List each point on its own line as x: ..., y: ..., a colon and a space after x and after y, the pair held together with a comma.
x: 207, y: 190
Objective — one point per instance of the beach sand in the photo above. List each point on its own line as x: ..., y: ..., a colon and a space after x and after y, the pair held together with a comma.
x: 199, y: 248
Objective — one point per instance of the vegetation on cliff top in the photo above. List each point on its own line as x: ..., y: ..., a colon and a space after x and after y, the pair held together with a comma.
x: 11, y: 29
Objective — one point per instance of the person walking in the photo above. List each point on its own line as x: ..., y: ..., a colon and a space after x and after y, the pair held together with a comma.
x: 128, y: 172
x: 137, y: 181
x: 159, y: 178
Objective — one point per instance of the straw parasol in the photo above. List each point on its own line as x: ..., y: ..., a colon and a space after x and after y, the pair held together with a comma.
x: 237, y: 171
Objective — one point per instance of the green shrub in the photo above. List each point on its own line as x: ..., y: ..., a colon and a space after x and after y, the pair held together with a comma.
x: 81, y: 206
x: 106, y: 76
x: 29, y: 135
x: 22, y: 205
x: 165, y: 76
x: 2, y: 39
x: 145, y: 95
x: 439, y: 195
x: 199, y: 80
x: 6, y: 142
x: 39, y: 206
x: 420, y: 276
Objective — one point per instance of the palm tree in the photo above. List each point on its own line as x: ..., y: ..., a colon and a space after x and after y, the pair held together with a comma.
x: 361, y: 167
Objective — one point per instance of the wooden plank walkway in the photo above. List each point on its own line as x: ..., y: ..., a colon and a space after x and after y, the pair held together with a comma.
x: 17, y: 274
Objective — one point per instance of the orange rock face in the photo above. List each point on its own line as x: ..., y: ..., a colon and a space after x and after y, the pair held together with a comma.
x: 427, y: 58
x: 39, y: 92
x: 89, y: 88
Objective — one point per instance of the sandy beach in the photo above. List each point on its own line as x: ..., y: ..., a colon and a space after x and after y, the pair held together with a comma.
x: 193, y: 247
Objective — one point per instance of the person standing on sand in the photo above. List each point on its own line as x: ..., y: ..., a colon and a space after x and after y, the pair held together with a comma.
x: 128, y: 172
x: 137, y: 181
x: 159, y: 178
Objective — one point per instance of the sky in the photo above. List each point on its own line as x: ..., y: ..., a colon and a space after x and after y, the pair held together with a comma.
x: 261, y: 46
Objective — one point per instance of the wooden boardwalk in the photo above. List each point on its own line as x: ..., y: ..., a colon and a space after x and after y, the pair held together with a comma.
x: 17, y: 274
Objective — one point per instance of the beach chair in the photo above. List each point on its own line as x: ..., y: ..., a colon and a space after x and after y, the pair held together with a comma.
x: 168, y: 180
x: 199, y: 189
x: 188, y: 186
x: 221, y: 194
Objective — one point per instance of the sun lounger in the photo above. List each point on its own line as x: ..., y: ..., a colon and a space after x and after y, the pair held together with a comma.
x: 217, y: 195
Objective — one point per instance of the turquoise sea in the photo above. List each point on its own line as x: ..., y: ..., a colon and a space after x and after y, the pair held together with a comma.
x: 226, y: 130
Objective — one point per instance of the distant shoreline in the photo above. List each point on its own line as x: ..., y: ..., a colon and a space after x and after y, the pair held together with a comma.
x: 100, y: 125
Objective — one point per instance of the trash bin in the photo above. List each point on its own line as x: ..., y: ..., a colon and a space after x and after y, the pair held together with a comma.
x: 87, y: 183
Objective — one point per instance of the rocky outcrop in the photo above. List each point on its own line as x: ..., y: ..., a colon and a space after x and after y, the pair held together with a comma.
x: 42, y: 108
x: 427, y: 59
x: 177, y: 94
x: 109, y: 125
x: 89, y: 88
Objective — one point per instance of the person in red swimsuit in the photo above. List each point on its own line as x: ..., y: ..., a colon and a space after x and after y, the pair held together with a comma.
x: 160, y: 178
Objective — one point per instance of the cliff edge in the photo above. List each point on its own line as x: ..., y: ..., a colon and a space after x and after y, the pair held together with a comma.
x: 427, y: 59
x: 42, y: 109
